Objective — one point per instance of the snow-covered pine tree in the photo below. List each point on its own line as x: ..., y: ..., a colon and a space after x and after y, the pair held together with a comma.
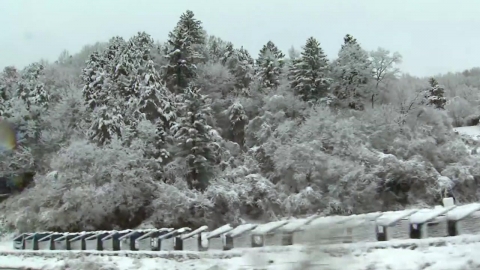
x: 435, y: 95
x: 27, y: 102
x: 351, y: 72
x: 349, y: 40
x: 270, y: 64
x: 115, y: 47
x: 183, y: 55
x: 8, y: 84
x: 100, y: 72
x: 215, y: 47
x: 30, y: 88
x: 94, y: 76
x: 238, y: 120
x: 310, y: 72
x: 153, y: 101
x: 127, y: 66
x: 100, y: 92
x: 194, y: 138
x: 218, y: 50
x: 228, y: 53
x: 293, y: 54
x: 241, y: 66
x: 293, y: 57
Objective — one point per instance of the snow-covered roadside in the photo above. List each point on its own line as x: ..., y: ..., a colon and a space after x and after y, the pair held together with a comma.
x: 6, y: 248
x: 113, y: 263
x: 472, y: 131
x: 431, y: 254
x: 430, y: 258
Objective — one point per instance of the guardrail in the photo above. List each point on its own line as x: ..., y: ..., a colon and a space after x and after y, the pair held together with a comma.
x: 441, y: 221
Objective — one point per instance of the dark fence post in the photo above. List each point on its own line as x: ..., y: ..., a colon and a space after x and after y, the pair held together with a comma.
x: 452, y: 227
x: 416, y: 230
x: 382, y: 233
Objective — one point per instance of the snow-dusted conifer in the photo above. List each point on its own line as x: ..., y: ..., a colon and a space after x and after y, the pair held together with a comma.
x: 310, y: 72
x: 30, y: 88
x: 218, y: 50
x: 435, y: 95
x: 241, y: 66
x: 153, y: 101
x: 94, y: 76
x: 101, y: 91
x: 183, y: 52
x: 351, y: 71
x: 8, y: 84
x: 270, y: 63
x: 228, y: 52
x: 195, y: 139
x: 238, y: 120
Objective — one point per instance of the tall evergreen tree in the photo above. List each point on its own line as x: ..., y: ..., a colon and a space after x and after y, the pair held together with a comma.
x: 270, y: 63
x: 8, y: 85
x: 102, y: 91
x: 99, y: 73
x: 349, y: 40
x: 149, y: 98
x: 435, y: 95
x: 123, y: 87
x: 183, y: 54
x: 93, y: 76
x: 241, y: 66
x: 194, y: 138
x: 228, y: 53
x: 351, y: 71
x: 309, y: 72
x: 30, y: 88
x: 238, y: 120
x: 218, y: 50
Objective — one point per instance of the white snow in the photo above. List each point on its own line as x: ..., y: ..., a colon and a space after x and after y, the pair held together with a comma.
x: 221, y: 230
x: 326, y: 221
x: 425, y: 215
x: 195, y: 232
x: 294, y: 225
x: 241, y: 229
x: 445, y: 182
x: 389, y: 218
x: 472, y: 131
x: 449, y: 257
x: 463, y: 211
x: 183, y: 230
x: 268, y: 227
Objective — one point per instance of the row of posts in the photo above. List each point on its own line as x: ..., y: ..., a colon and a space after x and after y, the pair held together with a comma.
x: 157, y: 240
x: 225, y: 237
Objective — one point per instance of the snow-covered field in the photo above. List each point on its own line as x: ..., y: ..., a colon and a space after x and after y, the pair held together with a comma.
x: 472, y: 131
x: 461, y: 253
x: 447, y: 258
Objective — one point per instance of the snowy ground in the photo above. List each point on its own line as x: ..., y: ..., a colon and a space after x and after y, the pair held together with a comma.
x: 472, y: 131
x: 456, y: 254
x: 433, y: 258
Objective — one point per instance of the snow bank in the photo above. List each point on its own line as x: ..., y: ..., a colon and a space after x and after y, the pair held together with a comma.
x: 472, y: 131
x: 446, y: 257
x: 391, y: 217
x: 463, y: 211
x: 425, y: 215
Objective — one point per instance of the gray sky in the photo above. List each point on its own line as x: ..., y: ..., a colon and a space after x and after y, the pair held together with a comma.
x: 432, y: 35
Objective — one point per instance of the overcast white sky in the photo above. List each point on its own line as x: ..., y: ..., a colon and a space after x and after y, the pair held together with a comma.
x: 432, y: 35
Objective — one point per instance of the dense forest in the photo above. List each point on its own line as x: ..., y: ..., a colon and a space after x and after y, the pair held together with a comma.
x: 197, y: 130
